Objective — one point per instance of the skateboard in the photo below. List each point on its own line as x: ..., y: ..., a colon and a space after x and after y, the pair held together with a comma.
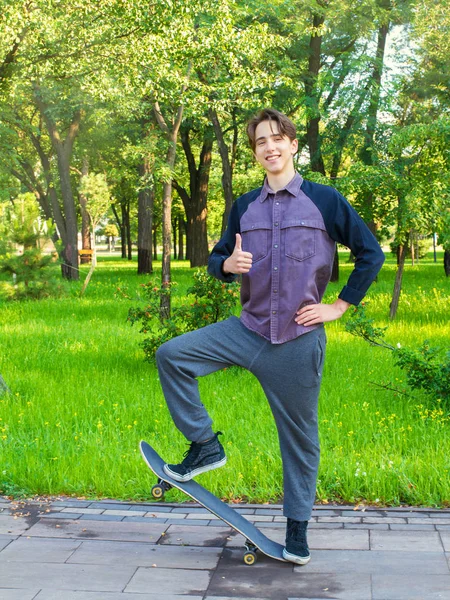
x: 255, y: 539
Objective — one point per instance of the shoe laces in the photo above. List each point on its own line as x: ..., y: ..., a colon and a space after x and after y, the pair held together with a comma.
x: 191, y: 455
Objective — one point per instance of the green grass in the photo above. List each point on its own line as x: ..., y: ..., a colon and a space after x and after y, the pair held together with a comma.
x: 82, y: 398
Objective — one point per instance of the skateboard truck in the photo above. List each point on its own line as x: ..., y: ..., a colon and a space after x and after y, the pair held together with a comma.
x: 250, y: 557
x: 160, y: 488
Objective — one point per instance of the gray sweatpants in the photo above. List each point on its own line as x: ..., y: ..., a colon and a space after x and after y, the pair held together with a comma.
x: 290, y: 375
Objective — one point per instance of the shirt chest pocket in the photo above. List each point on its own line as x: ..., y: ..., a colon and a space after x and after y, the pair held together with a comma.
x: 256, y: 239
x: 300, y: 237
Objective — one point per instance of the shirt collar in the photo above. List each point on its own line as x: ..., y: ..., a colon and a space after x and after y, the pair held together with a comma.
x: 293, y: 187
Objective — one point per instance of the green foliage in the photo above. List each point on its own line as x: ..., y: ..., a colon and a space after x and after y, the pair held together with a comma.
x: 425, y: 367
x: 22, y: 258
x: 213, y: 302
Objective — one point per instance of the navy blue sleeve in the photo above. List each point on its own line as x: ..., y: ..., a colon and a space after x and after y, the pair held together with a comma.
x: 224, y: 247
x: 349, y: 229
x: 346, y: 227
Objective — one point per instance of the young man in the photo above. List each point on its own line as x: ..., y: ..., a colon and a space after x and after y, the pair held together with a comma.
x: 281, y: 239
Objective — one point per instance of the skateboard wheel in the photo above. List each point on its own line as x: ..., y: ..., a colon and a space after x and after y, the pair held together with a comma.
x: 158, y: 491
x: 250, y: 557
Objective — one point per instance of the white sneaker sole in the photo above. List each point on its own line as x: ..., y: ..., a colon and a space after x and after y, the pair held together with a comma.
x: 195, y: 472
x: 299, y: 560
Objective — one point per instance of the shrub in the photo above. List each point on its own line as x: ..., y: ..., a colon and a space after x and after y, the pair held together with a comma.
x: 213, y: 301
x: 426, y: 368
x: 30, y: 270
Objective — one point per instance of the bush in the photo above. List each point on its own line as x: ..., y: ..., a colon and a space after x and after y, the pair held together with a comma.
x: 213, y: 301
x: 30, y: 270
x: 426, y: 367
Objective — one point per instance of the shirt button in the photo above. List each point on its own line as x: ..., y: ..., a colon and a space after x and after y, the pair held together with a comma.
x: 275, y: 268
x: 275, y: 291
x: 274, y: 312
x: 276, y: 246
x: 277, y: 203
x: 276, y: 224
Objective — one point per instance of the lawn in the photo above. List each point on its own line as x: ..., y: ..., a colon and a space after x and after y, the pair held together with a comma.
x: 82, y: 398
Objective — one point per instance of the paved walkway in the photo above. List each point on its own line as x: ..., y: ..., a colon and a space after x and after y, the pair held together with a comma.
x: 69, y: 549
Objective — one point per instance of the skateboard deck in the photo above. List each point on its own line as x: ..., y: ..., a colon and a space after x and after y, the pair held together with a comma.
x: 255, y: 539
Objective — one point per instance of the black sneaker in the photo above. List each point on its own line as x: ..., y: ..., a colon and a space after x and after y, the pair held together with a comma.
x: 200, y: 457
x: 296, y: 549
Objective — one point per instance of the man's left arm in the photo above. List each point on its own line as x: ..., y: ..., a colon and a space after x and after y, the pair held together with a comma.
x: 346, y: 227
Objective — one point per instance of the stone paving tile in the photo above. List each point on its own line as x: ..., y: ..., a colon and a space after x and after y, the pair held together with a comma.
x: 94, y: 578
x: 58, y: 515
x: 274, y: 525
x: 13, y: 526
x: 432, y: 520
x: 278, y: 583
x: 404, y: 541
x: 112, y: 506
x: 269, y: 511
x: 162, y: 515
x: 244, y: 511
x: 410, y: 587
x: 57, y: 595
x: 442, y: 527
x: 125, y: 513
x: 340, y: 519
x: 143, y: 520
x: 18, y: 594
x: 193, y: 583
x: 412, y: 527
x: 72, y: 503
x: 326, y: 526
x: 186, y: 510
x: 373, y: 561
x: 100, y: 518
x: 131, y: 532
x: 367, y: 526
x: 204, y: 515
x: 185, y: 535
x: 145, y: 555
x: 390, y: 520
x: 39, y: 550
x: 84, y: 511
x: 5, y: 540
x: 445, y: 537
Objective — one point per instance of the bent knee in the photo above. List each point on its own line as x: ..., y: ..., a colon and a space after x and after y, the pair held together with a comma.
x: 166, y: 352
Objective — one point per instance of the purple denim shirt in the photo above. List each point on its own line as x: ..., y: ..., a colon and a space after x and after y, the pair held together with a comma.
x: 292, y: 236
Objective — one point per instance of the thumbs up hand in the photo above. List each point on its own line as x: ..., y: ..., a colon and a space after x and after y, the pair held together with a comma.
x: 240, y: 261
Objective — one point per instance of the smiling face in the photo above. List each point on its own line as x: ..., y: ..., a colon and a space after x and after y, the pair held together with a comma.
x: 273, y: 150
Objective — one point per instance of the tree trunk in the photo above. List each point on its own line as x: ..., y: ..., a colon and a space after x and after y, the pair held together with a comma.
x: 175, y: 236
x: 123, y: 233
x: 195, y: 202
x: 126, y: 222
x: 146, y: 197
x: 171, y: 137
x: 398, y: 280
x: 367, y: 153
x: 155, y: 244
x: 312, y: 125
x: 180, y: 239
x: 227, y: 173
x: 85, y: 221
x: 63, y: 150
x: 447, y: 262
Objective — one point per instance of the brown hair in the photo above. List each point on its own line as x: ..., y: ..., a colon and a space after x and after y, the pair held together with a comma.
x: 285, y: 125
